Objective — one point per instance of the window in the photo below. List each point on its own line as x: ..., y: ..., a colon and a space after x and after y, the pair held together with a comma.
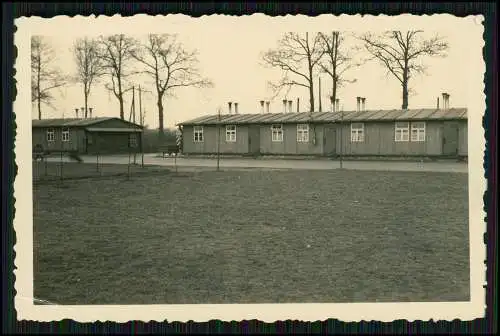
x: 418, y: 131
x: 51, y: 136
x: 198, y: 134
x: 302, y: 133
x: 133, y: 140
x: 65, y: 134
x: 231, y: 133
x: 277, y: 133
x: 401, y: 131
x: 357, y: 132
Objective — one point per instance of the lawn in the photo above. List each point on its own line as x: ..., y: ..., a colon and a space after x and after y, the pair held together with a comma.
x: 253, y: 237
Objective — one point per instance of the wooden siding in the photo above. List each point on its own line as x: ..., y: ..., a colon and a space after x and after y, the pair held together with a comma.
x: 289, y: 145
x: 380, y: 140
x: 209, y: 144
x: 83, y: 142
x: 463, y: 140
x: 104, y: 143
x: 331, y: 139
x: 39, y: 137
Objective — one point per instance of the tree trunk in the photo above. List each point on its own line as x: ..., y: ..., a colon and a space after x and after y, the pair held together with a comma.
x: 334, y: 93
x: 404, y: 106
x: 85, y: 98
x: 39, y: 98
x: 311, y: 95
x: 39, y: 109
x: 122, y: 112
x: 320, y: 108
x: 160, y: 119
x: 405, y: 94
x: 120, y: 97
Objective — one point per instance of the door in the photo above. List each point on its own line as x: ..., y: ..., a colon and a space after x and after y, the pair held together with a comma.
x: 254, y: 139
x: 329, y: 140
x: 450, y: 138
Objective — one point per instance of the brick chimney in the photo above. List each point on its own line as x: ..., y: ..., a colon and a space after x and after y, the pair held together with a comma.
x: 437, y: 103
x: 235, y: 108
x: 261, y: 106
x: 82, y: 109
x: 358, y: 104
x: 229, y: 105
x: 446, y: 103
x: 267, y: 106
x: 363, y: 106
x: 76, y: 111
x: 332, y: 104
x: 290, y: 108
x: 337, y: 104
x: 298, y: 105
x: 90, y: 111
x: 284, y: 105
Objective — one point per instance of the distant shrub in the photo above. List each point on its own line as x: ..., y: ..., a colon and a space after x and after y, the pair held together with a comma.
x: 151, y: 142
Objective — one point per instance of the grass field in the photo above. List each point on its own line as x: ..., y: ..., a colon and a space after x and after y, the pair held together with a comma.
x: 253, y: 237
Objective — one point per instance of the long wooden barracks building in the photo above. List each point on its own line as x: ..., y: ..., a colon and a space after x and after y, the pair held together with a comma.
x: 431, y: 132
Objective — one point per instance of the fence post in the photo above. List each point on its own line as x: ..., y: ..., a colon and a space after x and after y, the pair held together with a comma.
x: 61, y: 164
x: 128, y: 166
x: 45, y: 165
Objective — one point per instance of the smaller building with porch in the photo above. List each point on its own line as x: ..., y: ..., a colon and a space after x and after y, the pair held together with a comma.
x: 103, y: 135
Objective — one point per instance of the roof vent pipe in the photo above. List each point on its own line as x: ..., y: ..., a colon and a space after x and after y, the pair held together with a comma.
x: 298, y: 105
x: 90, y: 111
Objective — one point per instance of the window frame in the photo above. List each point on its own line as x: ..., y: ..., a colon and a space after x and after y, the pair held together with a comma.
x: 230, y: 132
x: 65, y: 134
x: 52, y: 133
x: 303, y: 133
x: 198, y: 134
x: 277, y: 129
x: 420, y: 131
x: 358, y: 133
x: 398, y: 130
x: 132, y: 136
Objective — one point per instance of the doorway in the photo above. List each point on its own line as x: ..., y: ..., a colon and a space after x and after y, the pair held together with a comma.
x: 329, y: 140
x: 450, y: 138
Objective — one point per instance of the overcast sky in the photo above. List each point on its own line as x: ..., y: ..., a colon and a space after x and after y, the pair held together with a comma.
x: 230, y: 55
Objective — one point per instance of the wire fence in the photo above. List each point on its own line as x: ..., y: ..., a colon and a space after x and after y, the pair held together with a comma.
x: 65, y: 167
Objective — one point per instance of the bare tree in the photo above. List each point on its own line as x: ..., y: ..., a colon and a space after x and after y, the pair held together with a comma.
x: 171, y: 67
x: 45, y: 76
x: 116, y: 54
x: 89, y: 65
x: 400, y: 53
x: 297, y: 56
x: 337, y: 59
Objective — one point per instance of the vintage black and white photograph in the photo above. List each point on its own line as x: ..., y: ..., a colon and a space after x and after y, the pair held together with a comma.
x: 292, y: 167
